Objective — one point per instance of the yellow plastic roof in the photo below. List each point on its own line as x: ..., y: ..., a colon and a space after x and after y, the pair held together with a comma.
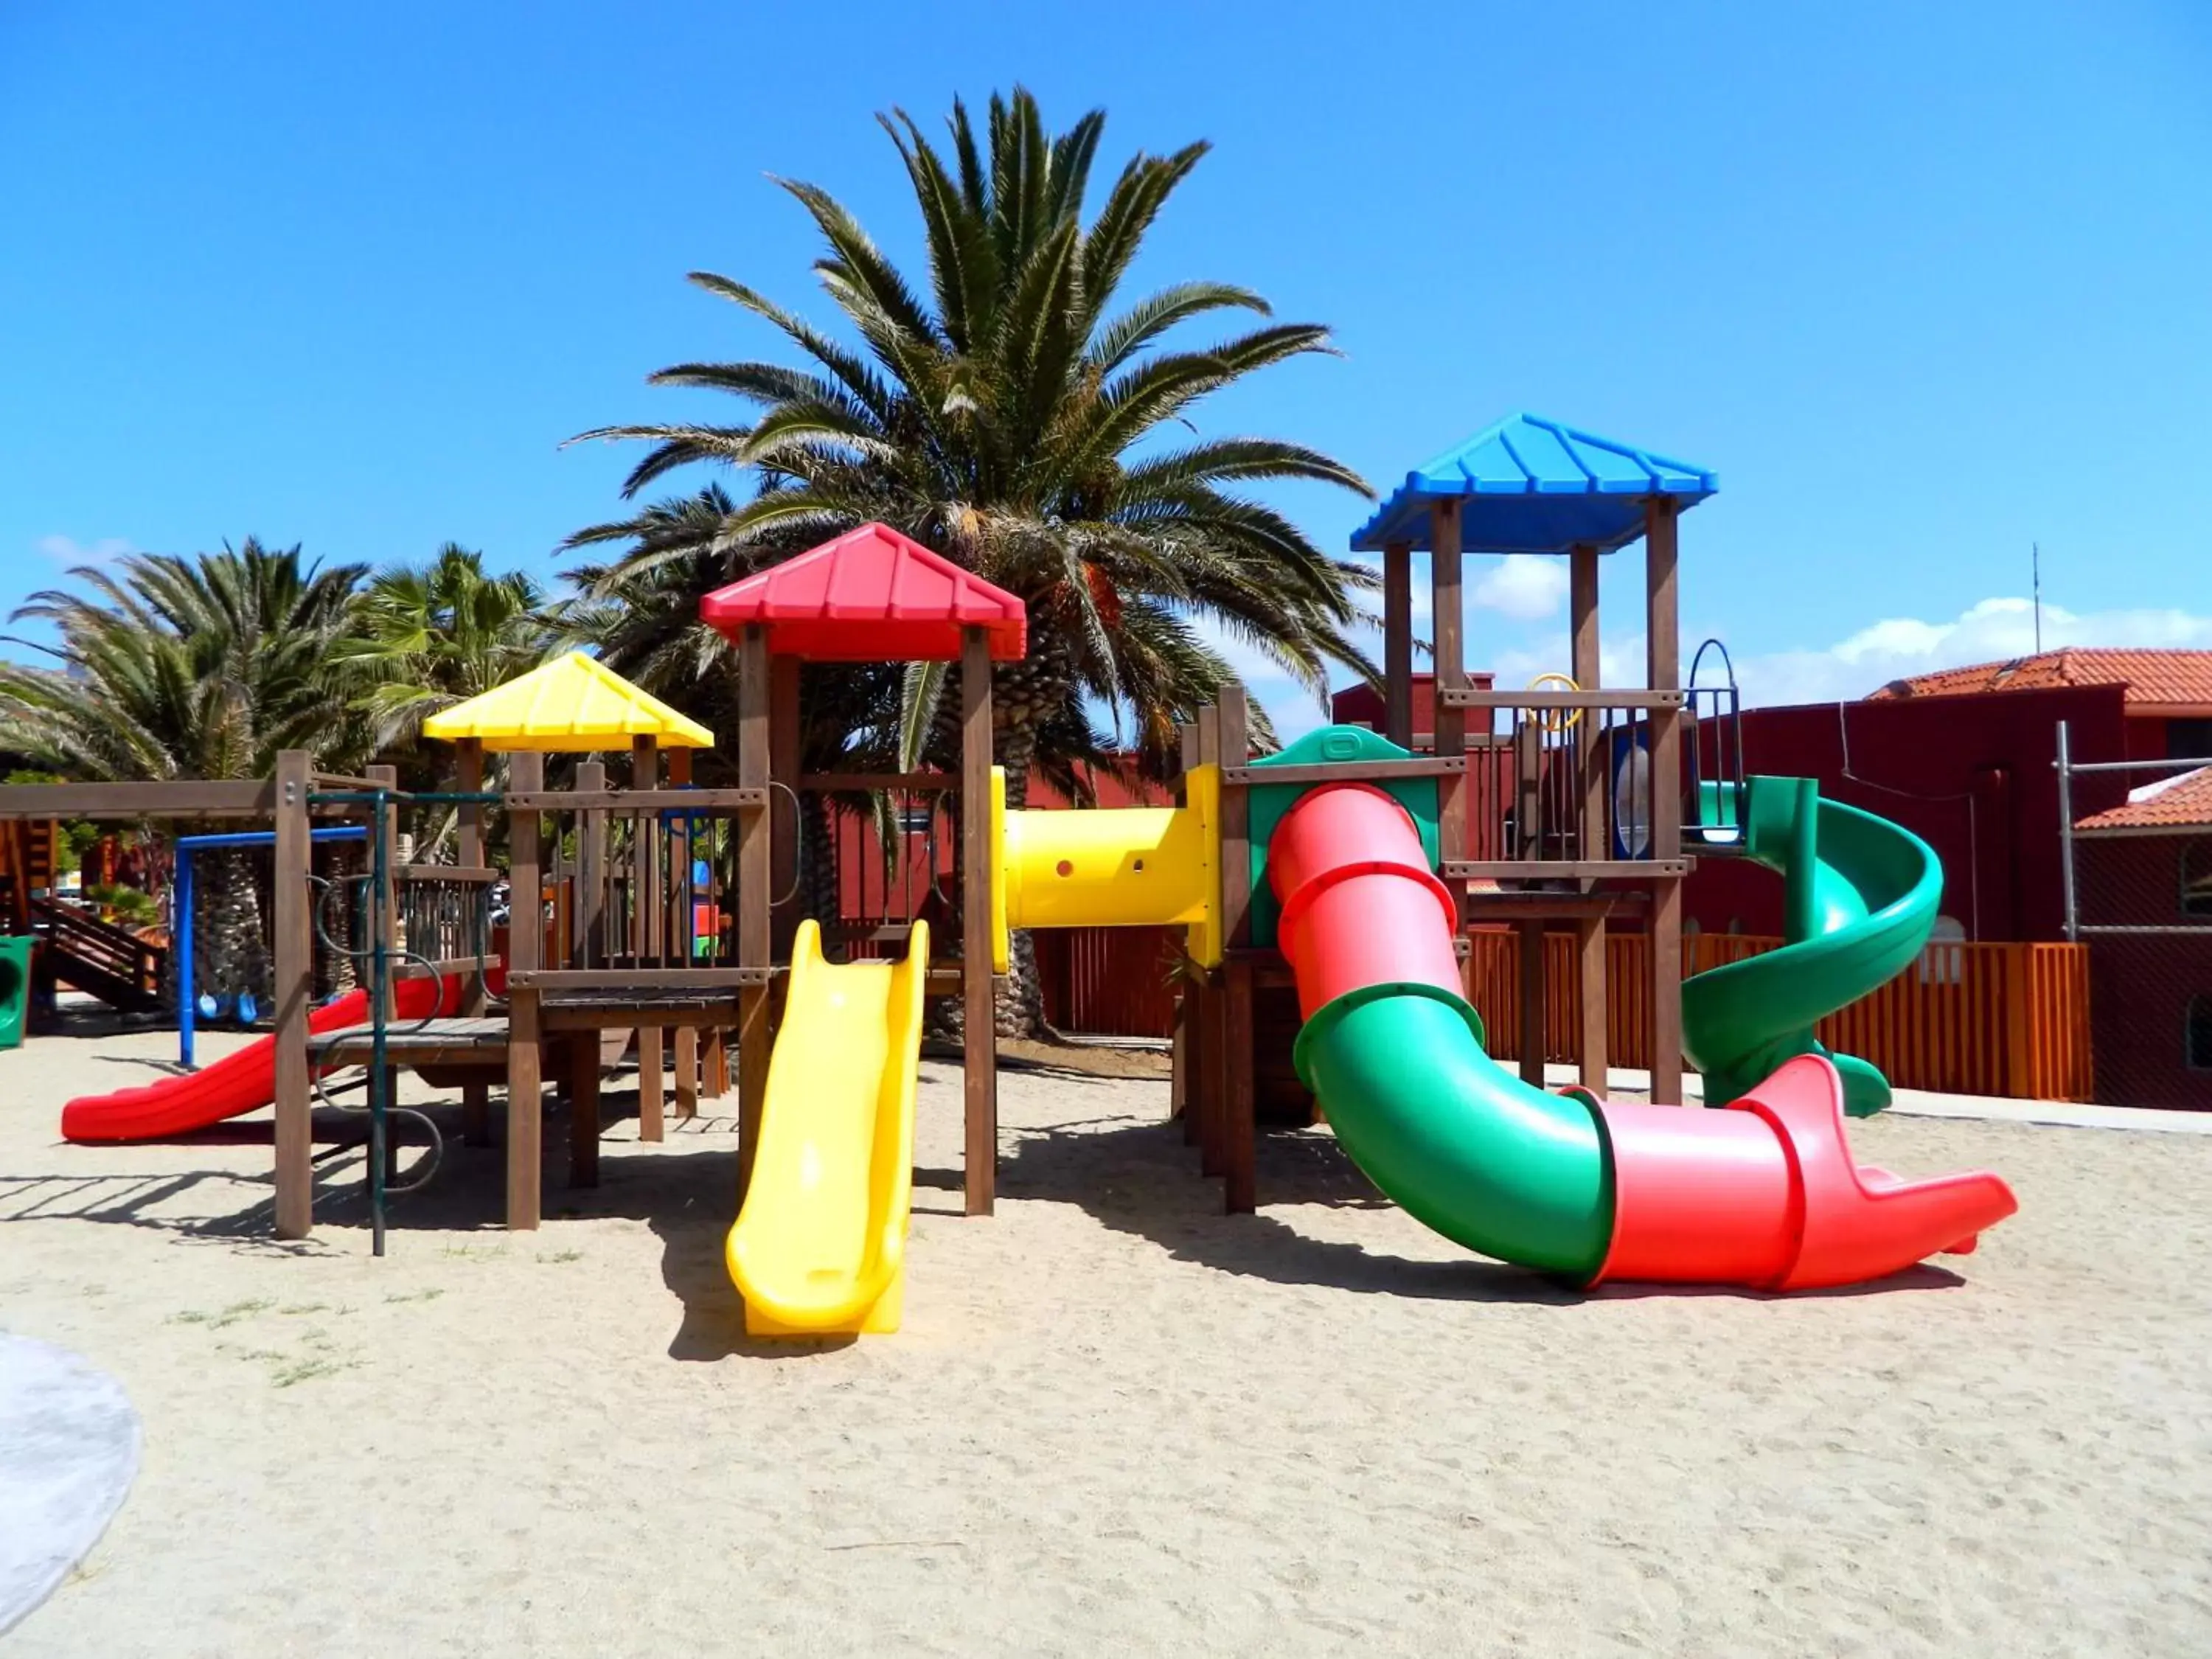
x: 572, y: 705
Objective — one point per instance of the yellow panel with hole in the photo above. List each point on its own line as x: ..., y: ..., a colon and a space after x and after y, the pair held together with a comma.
x: 1128, y: 866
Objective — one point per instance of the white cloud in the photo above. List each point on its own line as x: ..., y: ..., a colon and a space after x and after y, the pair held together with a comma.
x: 68, y: 551
x: 1525, y: 587
x: 1990, y: 631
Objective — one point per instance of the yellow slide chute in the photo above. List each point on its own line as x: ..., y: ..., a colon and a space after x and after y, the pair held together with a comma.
x: 819, y: 1247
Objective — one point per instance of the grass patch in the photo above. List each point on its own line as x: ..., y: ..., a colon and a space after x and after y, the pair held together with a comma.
x: 562, y: 1256
x: 429, y: 1294
x: 230, y: 1315
x: 298, y: 1308
x: 305, y: 1370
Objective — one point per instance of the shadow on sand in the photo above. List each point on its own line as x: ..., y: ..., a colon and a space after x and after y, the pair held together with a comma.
x: 1136, y: 1178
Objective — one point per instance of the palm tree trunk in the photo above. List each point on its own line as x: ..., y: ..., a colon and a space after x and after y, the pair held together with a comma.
x: 230, y: 953
x: 1019, y: 1009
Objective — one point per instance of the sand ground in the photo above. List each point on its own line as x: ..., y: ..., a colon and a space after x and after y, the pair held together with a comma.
x: 1116, y: 1421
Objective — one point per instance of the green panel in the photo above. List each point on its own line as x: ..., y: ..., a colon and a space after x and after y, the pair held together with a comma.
x: 1328, y: 746
x: 15, y: 987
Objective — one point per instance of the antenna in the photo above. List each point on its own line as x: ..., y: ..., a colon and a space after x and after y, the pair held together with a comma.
x: 2035, y: 555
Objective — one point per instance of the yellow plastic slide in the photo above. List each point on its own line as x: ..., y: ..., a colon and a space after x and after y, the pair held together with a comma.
x: 820, y: 1246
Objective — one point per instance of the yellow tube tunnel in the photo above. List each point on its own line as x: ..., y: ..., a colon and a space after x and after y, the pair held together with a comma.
x: 1126, y: 866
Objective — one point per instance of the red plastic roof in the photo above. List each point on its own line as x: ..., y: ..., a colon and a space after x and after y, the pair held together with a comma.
x: 2182, y: 803
x: 872, y: 595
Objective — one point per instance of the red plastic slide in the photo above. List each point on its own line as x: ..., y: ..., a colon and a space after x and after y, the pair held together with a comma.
x: 237, y: 1083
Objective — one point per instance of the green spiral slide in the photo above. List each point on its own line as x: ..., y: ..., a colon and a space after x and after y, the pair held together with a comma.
x: 1860, y: 897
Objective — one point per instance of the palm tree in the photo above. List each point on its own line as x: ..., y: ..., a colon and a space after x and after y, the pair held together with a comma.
x: 193, y: 667
x: 1013, y: 420
x: 428, y: 636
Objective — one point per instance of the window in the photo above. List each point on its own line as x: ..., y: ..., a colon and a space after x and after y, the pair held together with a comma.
x: 2196, y: 877
x: 2197, y: 1037
x: 2189, y: 739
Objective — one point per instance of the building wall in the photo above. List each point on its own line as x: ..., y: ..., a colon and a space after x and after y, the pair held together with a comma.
x: 1973, y: 776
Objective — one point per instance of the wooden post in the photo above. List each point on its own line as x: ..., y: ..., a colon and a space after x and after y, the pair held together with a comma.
x: 294, y: 994
x: 979, y: 1022
x: 1532, y: 1001
x: 680, y: 857
x: 1450, y: 724
x: 1238, y: 1128
x: 525, y: 944
x: 592, y: 921
x: 783, y: 824
x: 753, y: 895
x: 1210, y: 1084
x: 469, y: 854
x: 1662, y: 625
x: 1593, y: 838
x: 649, y: 937
x: 1186, y: 1083
x: 583, y: 1058
x: 1590, y: 959
x: 1398, y: 643
x: 386, y: 824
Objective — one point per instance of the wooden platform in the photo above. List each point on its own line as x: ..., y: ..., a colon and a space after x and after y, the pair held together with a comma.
x: 472, y: 1040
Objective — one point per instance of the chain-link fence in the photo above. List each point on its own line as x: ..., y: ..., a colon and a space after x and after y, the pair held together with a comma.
x: 2138, y: 874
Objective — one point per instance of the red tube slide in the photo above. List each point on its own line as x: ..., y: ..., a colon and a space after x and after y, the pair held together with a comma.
x: 238, y: 1083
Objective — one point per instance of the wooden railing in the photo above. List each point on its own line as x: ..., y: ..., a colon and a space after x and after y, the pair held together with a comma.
x: 1541, y: 800
x: 122, y: 964
x: 2004, y: 1019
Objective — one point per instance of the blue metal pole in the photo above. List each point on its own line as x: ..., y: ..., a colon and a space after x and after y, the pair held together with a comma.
x: 181, y: 896
x: 187, y: 991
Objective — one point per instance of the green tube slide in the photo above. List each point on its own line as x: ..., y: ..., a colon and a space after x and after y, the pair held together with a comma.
x: 1860, y: 897
x: 1461, y: 1144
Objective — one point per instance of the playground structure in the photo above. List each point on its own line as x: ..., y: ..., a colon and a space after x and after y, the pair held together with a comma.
x: 1342, y: 874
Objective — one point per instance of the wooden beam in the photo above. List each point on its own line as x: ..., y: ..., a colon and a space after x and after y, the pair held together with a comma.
x: 753, y: 713
x: 860, y: 783
x: 185, y: 798
x: 618, y: 979
x: 1593, y: 825
x: 1450, y: 721
x: 1667, y: 994
x: 1372, y: 771
x: 705, y: 802
x: 979, y: 1021
x: 1563, y: 869
x: 1464, y: 699
x: 294, y: 995
x: 525, y: 1120
x: 1398, y: 643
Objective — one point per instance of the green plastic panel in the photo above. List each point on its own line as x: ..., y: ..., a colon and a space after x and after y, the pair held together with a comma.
x: 1328, y: 745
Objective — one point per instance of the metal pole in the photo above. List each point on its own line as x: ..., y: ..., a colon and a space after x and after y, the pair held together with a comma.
x: 378, y: 1075
x: 2066, y: 830
x: 180, y: 895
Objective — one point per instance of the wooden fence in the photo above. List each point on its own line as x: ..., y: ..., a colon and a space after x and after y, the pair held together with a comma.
x: 1982, y: 1019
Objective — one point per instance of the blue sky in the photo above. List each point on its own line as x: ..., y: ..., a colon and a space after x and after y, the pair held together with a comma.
x: 1923, y: 283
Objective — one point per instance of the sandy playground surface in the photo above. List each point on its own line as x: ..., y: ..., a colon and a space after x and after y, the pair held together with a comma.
x: 1116, y: 1421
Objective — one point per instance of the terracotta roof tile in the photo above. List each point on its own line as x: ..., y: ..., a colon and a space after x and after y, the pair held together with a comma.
x: 2182, y: 804
x: 2153, y: 679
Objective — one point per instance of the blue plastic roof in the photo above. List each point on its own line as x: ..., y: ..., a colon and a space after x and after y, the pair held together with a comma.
x: 1535, y: 486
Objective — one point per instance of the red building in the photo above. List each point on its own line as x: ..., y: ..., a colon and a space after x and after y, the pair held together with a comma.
x: 2145, y: 870
x: 2168, y: 693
